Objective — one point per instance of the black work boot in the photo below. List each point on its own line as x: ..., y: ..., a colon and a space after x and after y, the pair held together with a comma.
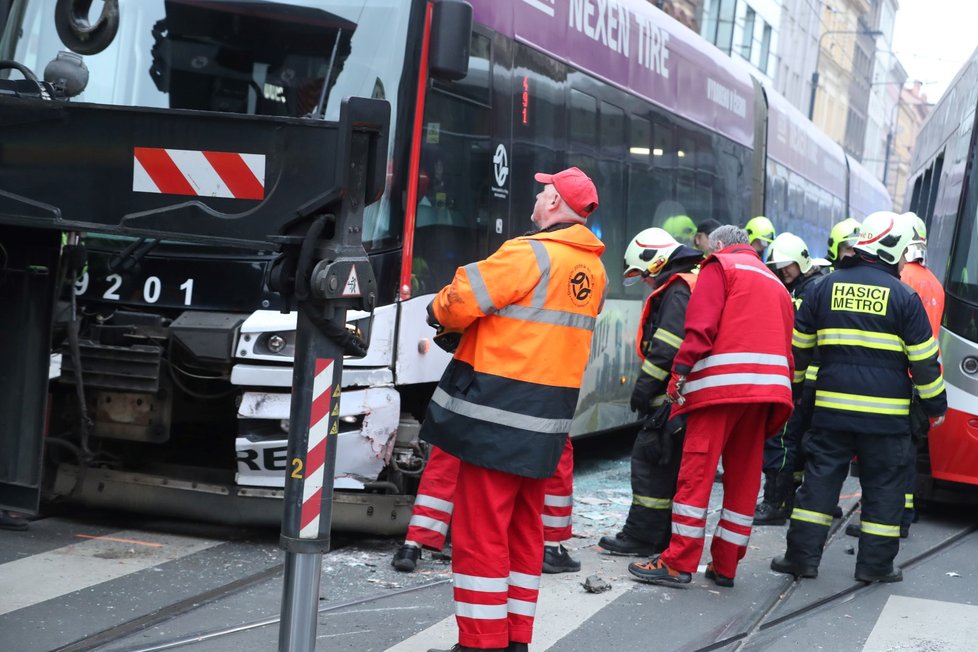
x: 10, y: 522
x: 769, y: 514
x: 778, y: 488
x: 784, y: 565
x: 895, y: 575
x: 406, y: 558
x: 556, y: 559
x: 622, y: 544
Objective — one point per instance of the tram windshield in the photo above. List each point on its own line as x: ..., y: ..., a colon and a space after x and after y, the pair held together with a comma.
x: 296, y: 59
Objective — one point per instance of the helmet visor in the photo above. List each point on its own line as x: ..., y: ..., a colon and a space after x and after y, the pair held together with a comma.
x: 633, y: 276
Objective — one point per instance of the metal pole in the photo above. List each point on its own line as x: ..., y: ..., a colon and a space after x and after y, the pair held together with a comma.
x: 811, y: 103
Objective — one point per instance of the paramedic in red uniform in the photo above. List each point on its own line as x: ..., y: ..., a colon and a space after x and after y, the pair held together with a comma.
x: 505, y: 403
x: 732, y: 380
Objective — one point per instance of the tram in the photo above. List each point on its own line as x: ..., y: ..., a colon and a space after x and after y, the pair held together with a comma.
x: 944, y: 193
x: 185, y: 355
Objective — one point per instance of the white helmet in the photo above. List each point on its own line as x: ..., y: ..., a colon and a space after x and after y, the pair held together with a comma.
x: 788, y: 248
x: 919, y: 243
x: 647, y: 253
x: 886, y: 235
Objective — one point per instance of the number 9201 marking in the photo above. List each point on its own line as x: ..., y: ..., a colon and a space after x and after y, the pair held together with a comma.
x: 151, y: 292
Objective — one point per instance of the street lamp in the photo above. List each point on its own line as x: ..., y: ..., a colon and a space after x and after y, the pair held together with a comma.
x: 818, y: 55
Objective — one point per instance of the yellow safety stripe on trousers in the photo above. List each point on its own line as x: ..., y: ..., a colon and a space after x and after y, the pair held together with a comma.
x: 808, y: 516
x: 922, y: 351
x: 656, y: 372
x: 651, y: 502
x: 666, y: 337
x: 855, y: 337
x: 811, y: 373
x: 879, y: 529
x: 930, y: 390
x: 861, y: 403
x: 908, y: 501
x: 799, y: 376
x: 802, y: 340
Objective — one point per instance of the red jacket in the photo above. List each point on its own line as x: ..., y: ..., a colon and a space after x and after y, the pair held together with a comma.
x: 929, y: 290
x: 737, y: 347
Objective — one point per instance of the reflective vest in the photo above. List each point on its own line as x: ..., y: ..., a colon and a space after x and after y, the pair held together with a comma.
x: 929, y: 290
x: 507, y: 398
x: 643, y: 340
x: 870, y: 329
x: 750, y: 357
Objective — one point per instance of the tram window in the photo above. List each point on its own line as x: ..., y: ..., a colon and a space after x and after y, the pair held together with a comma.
x: 925, y: 190
x: 915, y: 195
x: 935, y: 185
x: 583, y: 119
x: 475, y: 85
x: 641, y: 193
x: 612, y: 131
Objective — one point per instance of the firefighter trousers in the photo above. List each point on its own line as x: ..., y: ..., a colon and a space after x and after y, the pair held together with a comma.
x: 433, y: 506
x: 882, y: 474
x: 653, y: 485
x: 783, y: 453
x: 498, y: 556
x: 736, y: 432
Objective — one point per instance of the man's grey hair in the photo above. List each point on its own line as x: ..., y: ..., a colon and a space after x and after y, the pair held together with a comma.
x: 726, y: 235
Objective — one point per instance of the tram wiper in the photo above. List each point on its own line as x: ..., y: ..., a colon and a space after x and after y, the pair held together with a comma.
x: 127, y: 259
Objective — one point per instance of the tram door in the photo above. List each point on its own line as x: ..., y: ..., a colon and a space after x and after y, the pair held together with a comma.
x: 452, y: 222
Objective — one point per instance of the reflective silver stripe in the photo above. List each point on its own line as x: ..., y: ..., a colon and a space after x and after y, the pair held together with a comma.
x: 558, y: 501
x: 736, y: 518
x: 547, y: 316
x: 428, y: 523
x: 930, y: 390
x: 855, y: 403
x: 917, y: 352
x: 691, y: 531
x: 740, y: 358
x: 652, y: 502
x: 521, y: 607
x: 723, y: 380
x: 879, y: 529
x: 479, y: 288
x: 543, y: 262
x: 556, y: 521
x: 481, y: 611
x: 733, y: 537
x: 524, y: 581
x: 481, y: 584
x: 763, y: 272
x: 809, y: 516
x: 666, y: 337
x: 656, y: 372
x: 497, y: 416
x: 689, y: 510
x: 852, y: 337
x: 434, y: 503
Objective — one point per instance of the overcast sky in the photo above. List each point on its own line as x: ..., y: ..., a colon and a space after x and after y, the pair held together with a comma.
x: 933, y: 39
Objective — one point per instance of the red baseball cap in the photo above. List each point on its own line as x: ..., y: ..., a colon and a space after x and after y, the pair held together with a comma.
x: 575, y: 188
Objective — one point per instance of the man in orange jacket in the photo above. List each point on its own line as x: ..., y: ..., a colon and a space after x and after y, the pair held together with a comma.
x: 506, y: 400
x: 732, y: 380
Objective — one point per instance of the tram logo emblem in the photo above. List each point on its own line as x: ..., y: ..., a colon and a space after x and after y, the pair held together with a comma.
x: 500, y: 165
x: 579, y: 287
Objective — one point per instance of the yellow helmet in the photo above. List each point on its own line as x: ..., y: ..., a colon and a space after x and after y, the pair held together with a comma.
x: 647, y: 253
x: 681, y: 227
x: 846, y: 231
x: 760, y: 228
x: 788, y: 248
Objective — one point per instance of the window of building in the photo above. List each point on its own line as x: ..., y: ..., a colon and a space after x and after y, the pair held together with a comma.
x: 765, y: 49
x: 726, y: 11
x: 748, y: 44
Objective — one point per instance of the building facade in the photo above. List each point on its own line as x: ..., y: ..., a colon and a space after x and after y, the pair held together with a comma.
x: 912, y: 109
x: 745, y: 30
x: 800, y: 29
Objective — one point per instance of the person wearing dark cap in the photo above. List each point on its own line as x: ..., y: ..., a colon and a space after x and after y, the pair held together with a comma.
x: 504, y: 405
x: 701, y: 240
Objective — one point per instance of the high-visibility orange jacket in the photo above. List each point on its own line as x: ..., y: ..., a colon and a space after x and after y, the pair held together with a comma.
x: 929, y: 290
x: 527, y: 313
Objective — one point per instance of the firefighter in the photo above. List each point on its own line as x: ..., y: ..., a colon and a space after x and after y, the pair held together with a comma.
x: 870, y: 330
x: 669, y: 268
x: 505, y: 402
x: 841, y: 238
x: 681, y: 227
x: 931, y: 293
x: 701, y: 240
x: 732, y: 380
x: 760, y: 234
x: 791, y: 261
x: 431, y: 515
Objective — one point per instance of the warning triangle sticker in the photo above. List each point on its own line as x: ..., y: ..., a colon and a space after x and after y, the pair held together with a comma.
x: 352, y: 287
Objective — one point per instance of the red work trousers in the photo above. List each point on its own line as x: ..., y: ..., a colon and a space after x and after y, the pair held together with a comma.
x: 735, y: 431
x: 498, y: 556
x: 433, y: 505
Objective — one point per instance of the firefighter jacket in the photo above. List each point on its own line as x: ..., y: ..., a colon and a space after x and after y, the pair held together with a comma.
x: 660, y: 331
x: 869, y: 329
x: 507, y: 398
x: 799, y: 289
x: 737, y: 347
x: 929, y: 290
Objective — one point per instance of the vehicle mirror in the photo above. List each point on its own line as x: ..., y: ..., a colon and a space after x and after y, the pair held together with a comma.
x: 451, y: 29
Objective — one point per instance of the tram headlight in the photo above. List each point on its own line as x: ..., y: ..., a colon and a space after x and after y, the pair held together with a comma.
x: 970, y: 365
x: 276, y: 343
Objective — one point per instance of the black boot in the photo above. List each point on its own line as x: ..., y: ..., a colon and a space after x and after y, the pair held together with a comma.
x: 406, y: 558
x: 784, y: 565
x: 622, y: 544
x: 556, y: 559
x: 10, y: 522
x: 778, y: 488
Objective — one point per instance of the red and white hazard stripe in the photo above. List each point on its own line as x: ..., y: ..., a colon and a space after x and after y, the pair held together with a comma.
x: 312, y: 487
x: 198, y: 173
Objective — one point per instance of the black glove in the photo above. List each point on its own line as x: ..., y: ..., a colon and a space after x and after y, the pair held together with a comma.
x: 643, y: 393
x: 431, y: 319
x: 446, y: 340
